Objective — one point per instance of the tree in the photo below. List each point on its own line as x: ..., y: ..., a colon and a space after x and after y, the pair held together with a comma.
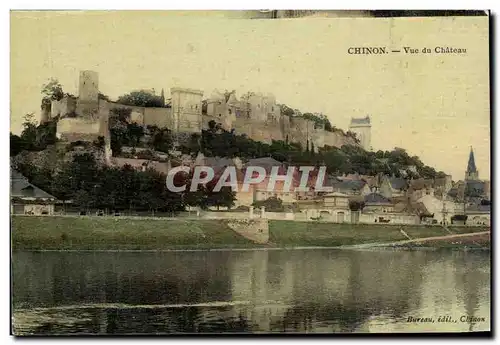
x: 83, y: 199
x: 103, y: 97
x: 135, y: 134
x: 118, y: 128
x: 356, y: 205
x: 272, y: 204
x: 161, y: 139
x: 141, y: 99
x: 224, y: 198
x: 17, y: 145
x: 52, y: 90
x: 29, y: 133
x: 35, y: 138
x: 286, y: 110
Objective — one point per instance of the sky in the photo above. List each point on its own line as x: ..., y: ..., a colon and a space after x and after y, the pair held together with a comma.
x: 435, y: 106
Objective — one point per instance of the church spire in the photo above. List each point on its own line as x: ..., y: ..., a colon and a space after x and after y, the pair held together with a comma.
x: 471, y: 173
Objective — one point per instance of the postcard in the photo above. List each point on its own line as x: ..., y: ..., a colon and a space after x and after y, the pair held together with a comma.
x: 250, y: 172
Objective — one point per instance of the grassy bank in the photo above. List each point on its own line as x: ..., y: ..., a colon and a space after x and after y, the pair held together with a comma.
x: 81, y: 233
x: 289, y: 233
x: 48, y: 233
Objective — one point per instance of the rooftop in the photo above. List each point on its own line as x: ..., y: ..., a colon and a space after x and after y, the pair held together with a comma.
x: 376, y: 199
x: 471, y: 164
x: 360, y: 121
x: 265, y: 162
x: 21, y: 188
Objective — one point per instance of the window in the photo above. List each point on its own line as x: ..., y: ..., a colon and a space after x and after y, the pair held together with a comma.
x: 229, y: 111
x: 272, y: 108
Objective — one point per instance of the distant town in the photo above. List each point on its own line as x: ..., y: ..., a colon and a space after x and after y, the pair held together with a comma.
x: 92, y: 156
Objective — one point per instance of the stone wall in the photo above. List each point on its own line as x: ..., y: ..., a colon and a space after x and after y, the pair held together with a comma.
x: 145, y: 116
x: 394, y: 218
x: 337, y: 139
x: 61, y: 108
x: 186, y: 110
x: 301, y: 131
x: 160, y: 117
x: 78, y: 128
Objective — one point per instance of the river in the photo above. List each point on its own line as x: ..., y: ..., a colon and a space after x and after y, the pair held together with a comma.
x: 261, y: 291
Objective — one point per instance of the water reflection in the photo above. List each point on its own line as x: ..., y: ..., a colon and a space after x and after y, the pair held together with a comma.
x: 248, y: 291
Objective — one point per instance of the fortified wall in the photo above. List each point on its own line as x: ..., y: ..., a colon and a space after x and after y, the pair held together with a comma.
x: 256, y: 115
x: 259, y: 117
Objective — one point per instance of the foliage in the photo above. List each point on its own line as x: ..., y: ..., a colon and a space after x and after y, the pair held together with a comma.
x: 52, y: 90
x: 141, y: 99
x: 119, y: 115
x: 319, y: 119
x: 160, y: 139
x: 17, y: 145
x: 89, y: 185
x: 103, y: 97
x: 122, y: 132
x: 356, y: 205
x: 33, y: 137
x: 223, y: 198
x: 272, y: 204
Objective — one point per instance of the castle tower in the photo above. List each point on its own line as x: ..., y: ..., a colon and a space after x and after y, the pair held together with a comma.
x: 88, y: 94
x: 186, y: 111
x: 471, y: 174
x: 362, y: 127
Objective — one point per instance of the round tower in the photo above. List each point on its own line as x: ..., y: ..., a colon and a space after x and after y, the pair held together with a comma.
x: 362, y: 127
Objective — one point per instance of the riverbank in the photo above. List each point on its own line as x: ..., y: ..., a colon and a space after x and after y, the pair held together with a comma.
x: 95, y: 233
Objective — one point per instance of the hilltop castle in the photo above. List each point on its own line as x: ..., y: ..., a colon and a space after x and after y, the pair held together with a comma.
x: 258, y: 116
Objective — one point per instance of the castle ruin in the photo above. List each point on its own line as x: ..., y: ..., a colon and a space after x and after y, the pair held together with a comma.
x: 256, y: 115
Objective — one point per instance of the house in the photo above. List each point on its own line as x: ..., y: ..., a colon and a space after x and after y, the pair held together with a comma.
x: 334, y: 208
x: 420, y: 187
x: 26, y: 198
x: 261, y: 191
x: 443, y: 210
x: 218, y: 164
x: 345, y: 186
x: 442, y: 186
x: 264, y: 162
x: 375, y: 202
x: 336, y: 200
x: 393, y: 186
